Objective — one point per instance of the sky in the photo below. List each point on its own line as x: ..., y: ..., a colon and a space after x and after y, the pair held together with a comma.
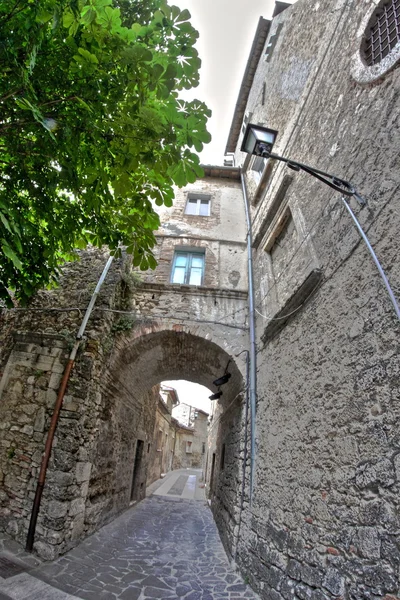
x: 192, y: 393
x: 227, y: 29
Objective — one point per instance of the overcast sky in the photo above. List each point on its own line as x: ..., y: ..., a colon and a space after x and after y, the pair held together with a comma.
x: 227, y: 29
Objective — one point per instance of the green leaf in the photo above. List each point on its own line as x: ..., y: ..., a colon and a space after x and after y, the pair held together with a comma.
x: 92, y: 58
x: 5, y: 222
x: 184, y: 16
x: 11, y: 255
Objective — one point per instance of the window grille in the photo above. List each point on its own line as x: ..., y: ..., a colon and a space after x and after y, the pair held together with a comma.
x: 383, y: 32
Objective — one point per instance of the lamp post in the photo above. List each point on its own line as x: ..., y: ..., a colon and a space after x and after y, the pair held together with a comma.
x: 259, y: 141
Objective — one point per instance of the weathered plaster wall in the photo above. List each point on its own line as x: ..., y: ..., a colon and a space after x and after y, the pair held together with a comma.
x: 222, y: 234
x: 197, y: 436
x: 109, y: 406
x: 162, y: 444
x: 324, y: 521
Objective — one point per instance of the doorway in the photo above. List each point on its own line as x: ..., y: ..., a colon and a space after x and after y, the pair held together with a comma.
x: 137, y: 470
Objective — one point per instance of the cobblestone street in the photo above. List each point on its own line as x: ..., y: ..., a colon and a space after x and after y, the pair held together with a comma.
x: 165, y: 547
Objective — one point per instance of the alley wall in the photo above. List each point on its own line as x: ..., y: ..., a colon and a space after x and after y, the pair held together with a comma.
x: 324, y: 519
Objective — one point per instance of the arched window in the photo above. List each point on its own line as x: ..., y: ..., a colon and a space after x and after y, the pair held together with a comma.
x: 383, y: 32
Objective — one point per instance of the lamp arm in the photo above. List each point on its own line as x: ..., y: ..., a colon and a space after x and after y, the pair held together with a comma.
x: 339, y: 185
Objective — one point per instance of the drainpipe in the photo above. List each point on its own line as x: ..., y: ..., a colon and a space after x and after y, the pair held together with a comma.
x: 246, y: 418
x: 253, y: 349
x: 57, y: 408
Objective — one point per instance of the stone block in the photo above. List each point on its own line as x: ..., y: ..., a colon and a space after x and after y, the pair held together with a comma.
x: 368, y: 542
x: 334, y: 582
x: 77, y: 506
x: 27, y: 430
x: 56, y: 509
x: 83, y: 470
x: 40, y: 420
x: 45, y: 551
x: 78, y: 527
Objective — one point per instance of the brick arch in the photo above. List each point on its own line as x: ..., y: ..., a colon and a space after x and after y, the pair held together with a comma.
x: 163, y: 351
x: 125, y: 403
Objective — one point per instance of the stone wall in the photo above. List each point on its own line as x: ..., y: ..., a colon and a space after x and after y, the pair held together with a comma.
x: 161, y: 448
x: 324, y: 519
x: 164, y: 332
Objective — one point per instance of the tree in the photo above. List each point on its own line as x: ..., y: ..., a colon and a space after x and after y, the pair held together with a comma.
x: 92, y: 129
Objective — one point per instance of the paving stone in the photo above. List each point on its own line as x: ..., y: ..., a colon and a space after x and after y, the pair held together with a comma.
x: 163, y: 547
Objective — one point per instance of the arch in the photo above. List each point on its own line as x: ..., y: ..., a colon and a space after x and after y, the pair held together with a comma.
x: 127, y: 398
x: 156, y: 352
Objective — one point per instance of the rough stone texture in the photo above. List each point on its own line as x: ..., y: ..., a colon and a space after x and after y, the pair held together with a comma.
x: 169, y: 332
x: 161, y: 548
x: 324, y: 519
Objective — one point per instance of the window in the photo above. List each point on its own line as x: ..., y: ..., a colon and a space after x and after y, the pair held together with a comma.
x: 257, y: 168
x: 383, y: 32
x: 272, y: 43
x: 203, y: 448
x: 188, y: 268
x: 188, y: 447
x: 199, y: 205
x: 222, y: 459
x: 246, y: 120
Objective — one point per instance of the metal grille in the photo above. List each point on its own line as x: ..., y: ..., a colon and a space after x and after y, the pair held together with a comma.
x: 383, y: 32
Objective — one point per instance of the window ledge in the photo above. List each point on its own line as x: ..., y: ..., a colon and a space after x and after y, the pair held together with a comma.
x: 297, y: 299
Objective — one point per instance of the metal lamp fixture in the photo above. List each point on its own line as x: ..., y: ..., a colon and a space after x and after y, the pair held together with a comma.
x: 259, y: 140
x: 221, y: 380
x: 215, y: 396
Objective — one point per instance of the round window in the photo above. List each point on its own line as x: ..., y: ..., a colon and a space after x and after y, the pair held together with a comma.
x: 378, y: 39
x: 382, y: 33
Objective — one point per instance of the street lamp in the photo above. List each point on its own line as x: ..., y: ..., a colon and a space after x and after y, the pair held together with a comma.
x: 259, y: 141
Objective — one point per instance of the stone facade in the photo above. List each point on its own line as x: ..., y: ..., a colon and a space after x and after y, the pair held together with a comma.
x: 143, y: 330
x: 324, y: 519
x: 162, y: 447
x: 192, y: 434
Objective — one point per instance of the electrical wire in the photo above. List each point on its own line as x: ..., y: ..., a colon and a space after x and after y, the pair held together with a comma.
x: 293, y: 311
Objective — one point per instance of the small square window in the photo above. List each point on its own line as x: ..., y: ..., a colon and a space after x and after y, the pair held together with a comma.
x: 198, y: 206
x: 188, y: 268
x: 189, y: 448
x: 257, y: 168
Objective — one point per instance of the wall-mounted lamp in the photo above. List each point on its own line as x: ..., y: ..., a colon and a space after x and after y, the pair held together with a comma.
x: 259, y: 140
x: 221, y: 380
x: 215, y: 396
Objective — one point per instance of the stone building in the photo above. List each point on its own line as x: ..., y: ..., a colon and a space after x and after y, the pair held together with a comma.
x: 161, y: 449
x: 185, y: 320
x: 323, y: 521
x: 323, y: 518
x: 192, y: 434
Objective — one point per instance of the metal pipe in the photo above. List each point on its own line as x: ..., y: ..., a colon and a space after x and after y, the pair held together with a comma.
x: 375, y: 258
x: 253, y: 349
x: 246, y: 419
x: 56, y: 413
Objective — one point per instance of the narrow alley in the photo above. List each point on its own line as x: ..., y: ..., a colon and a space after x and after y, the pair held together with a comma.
x: 167, y: 546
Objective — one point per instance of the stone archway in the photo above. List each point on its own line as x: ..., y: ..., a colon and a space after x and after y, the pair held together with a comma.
x: 108, y: 407
x: 139, y: 361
